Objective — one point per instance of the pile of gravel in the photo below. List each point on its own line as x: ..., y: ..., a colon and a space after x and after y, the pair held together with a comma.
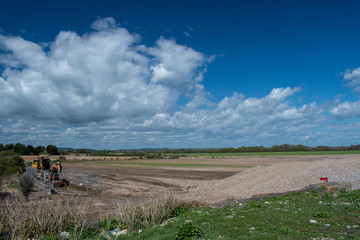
x: 277, y: 178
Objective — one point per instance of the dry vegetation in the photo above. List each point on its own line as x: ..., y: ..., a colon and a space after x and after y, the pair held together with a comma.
x: 38, y: 219
x: 158, y: 208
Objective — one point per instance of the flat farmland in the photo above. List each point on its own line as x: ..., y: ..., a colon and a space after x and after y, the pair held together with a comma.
x: 190, y: 178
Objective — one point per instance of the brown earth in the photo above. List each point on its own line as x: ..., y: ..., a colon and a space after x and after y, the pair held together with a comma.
x: 135, y: 183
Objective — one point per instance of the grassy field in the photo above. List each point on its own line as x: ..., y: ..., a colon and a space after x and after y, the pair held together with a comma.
x: 165, y: 164
x: 270, y: 153
x: 310, y: 215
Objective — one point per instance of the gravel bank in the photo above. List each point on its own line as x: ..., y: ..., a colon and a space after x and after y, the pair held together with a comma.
x: 278, y: 178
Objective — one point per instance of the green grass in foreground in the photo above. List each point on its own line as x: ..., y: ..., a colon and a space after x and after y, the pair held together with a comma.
x: 309, y: 215
x: 270, y: 153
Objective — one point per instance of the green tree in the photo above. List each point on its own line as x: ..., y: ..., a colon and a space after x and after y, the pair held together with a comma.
x: 30, y: 149
x: 51, y: 149
x: 2, y: 148
x: 17, y: 160
x: 38, y: 150
x: 9, y: 147
x: 20, y: 149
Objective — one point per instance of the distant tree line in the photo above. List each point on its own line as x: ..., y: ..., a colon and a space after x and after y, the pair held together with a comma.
x: 21, y: 149
x: 275, y: 148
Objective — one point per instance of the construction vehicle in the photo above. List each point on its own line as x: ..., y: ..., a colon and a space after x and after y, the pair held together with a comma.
x: 55, y: 171
x: 49, y: 172
x: 42, y: 163
x: 55, y: 174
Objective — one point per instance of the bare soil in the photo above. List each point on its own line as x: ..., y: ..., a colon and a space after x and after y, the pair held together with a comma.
x: 208, y: 184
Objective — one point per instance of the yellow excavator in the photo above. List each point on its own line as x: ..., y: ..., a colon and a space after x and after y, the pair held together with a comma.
x: 47, y: 171
x: 42, y: 164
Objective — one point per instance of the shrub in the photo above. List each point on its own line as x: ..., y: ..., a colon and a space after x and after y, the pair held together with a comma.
x: 188, y: 231
x: 17, y: 160
x: 11, y: 170
x: 26, y: 184
x: 11, y: 164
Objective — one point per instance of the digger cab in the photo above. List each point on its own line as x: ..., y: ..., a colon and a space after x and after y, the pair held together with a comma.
x: 35, y: 163
x: 45, y: 163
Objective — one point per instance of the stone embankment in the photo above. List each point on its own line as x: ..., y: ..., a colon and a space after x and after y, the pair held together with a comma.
x: 278, y: 178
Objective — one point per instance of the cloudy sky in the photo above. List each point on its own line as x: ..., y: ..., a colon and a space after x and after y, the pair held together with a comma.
x: 179, y: 74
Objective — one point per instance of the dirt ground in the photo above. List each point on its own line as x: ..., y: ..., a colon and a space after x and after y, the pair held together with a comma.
x: 127, y: 180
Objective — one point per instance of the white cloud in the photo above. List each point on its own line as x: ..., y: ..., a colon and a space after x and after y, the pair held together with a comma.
x: 352, y: 77
x: 105, y: 89
x: 97, y: 76
x: 176, y: 66
x: 346, y: 110
x: 104, y: 24
x: 240, y: 117
x: 188, y: 31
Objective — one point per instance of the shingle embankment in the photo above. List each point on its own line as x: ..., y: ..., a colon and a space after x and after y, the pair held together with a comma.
x: 277, y: 178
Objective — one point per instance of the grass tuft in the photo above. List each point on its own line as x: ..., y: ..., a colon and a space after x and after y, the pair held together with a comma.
x: 155, y: 211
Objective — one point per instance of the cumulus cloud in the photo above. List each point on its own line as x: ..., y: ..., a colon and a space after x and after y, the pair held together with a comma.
x: 239, y: 117
x: 352, y: 77
x: 176, y: 66
x: 344, y: 110
x: 100, y: 75
x: 105, y: 89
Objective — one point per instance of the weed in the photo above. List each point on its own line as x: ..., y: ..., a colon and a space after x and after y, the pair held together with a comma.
x: 188, y: 230
x: 327, y: 196
x: 13, y: 186
x: 109, y: 223
x: 255, y: 204
x: 89, y: 233
x: 297, y: 193
x: 26, y: 184
x: 322, y: 215
x: 284, y: 230
x: 350, y: 196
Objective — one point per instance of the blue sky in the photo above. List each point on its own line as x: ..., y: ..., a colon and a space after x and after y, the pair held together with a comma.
x: 134, y: 74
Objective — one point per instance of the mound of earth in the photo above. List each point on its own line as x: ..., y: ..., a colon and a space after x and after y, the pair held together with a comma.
x: 277, y: 178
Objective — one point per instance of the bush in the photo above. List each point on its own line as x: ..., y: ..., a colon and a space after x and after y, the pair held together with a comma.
x: 11, y: 170
x: 17, y: 160
x: 188, y: 231
x: 26, y: 184
x: 11, y: 164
